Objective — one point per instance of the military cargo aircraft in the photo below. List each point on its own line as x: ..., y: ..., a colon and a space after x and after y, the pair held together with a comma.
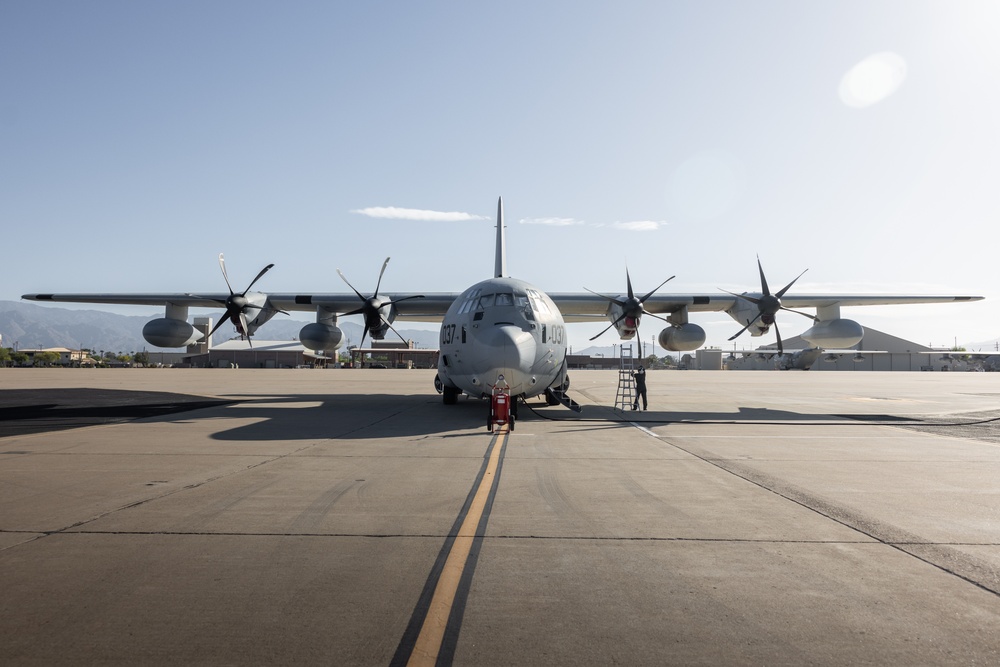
x: 502, y: 325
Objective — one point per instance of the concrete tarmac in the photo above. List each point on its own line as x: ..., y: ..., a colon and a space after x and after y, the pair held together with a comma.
x: 348, y: 517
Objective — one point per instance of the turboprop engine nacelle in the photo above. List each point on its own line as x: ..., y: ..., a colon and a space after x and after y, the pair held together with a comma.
x: 318, y: 336
x: 838, y: 333
x: 682, y: 337
x: 168, y: 332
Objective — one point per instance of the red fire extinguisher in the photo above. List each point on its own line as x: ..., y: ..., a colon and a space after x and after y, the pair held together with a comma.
x: 500, y: 406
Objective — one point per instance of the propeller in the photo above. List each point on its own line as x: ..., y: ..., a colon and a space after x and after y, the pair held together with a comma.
x: 768, y: 306
x: 237, y: 304
x: 631, y: 306
x: 372, y: 305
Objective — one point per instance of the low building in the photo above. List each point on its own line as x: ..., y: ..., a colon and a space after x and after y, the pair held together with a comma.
x: 587, y: 362
x: 878, y: 351
x: 67, y: 357
x: 263, y: 354
x: 394, y: 354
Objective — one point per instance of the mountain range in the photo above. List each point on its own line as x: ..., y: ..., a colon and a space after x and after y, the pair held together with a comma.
x: 30, y: 326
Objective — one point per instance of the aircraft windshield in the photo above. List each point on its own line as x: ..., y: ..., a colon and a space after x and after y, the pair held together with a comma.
x: 476, y: 301
x: 498, y: 300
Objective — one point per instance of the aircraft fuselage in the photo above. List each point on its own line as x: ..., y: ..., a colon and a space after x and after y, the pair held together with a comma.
x: 502, y: 326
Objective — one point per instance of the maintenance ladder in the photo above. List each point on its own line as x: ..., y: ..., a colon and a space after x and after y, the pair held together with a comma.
x: 624, y: 397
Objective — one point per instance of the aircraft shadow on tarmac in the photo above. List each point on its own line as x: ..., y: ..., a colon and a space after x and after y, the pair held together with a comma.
x: 332, y: 416
x: 314, y: 417
x: 25, y: 411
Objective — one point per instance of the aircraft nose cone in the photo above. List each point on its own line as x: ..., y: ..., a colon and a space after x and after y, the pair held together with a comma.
x: 514, y: 346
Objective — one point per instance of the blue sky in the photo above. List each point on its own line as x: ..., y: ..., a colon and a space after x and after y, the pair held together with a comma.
x: 139, y: 140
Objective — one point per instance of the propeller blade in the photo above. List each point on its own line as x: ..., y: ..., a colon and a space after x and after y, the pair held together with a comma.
x: 781, y: 347
x: 341, y: 274
x: 745, y: 297
x: 785, y: 288
x: 657, y: 289
x: 763, y: 280
x: 386, y: 322
x: 609, y: 326
x: 380, y: 273
x: 628, y: 281
x: 245, y: 330
x: 222, y: 263
x: 262, y: 272
x: 405, y: 298
x: 605, y: 296
x: 217, y: 325
x: 646, y: 312
x: 221, y: 302
x: 749, y: 324
x: 799, y: 312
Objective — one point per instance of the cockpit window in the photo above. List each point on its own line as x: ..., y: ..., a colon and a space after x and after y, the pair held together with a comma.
x: 471, y: 298
x: 521, y: 302
x: 537, y: 303
x: 485, y: 301
x: 505, y: 299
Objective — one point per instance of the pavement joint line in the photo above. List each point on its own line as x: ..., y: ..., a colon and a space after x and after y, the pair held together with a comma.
x: 849, y: 519
x: 71, y: 528
x: 554, y: 538
x: 210, y: 480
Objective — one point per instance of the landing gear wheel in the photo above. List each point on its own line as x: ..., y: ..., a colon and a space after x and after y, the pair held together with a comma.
x: 450, y: 395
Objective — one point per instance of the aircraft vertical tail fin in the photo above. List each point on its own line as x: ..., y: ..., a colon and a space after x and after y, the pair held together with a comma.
x: 500, y: 271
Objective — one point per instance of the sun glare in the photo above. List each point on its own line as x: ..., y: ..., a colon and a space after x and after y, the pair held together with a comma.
x: 872, y: 80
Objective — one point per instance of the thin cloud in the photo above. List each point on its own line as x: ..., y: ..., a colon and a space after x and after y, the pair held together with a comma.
x: 395, y: 213
x: 639, y: 225
x: 551, y: 222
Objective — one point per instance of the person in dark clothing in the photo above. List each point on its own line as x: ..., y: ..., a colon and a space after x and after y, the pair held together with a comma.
x: 640, y: 388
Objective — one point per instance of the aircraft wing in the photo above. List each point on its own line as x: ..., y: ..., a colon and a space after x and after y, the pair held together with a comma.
x: 824, y: 300
x: 585, y: 307
x: 575, y: 306
x: 430, y: 308
x: 202, y: 300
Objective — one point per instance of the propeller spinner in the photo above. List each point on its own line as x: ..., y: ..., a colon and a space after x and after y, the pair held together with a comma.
x: 768, y: 306
x: 372, y: 306
x: 631, y: 306
x: 237, y: 304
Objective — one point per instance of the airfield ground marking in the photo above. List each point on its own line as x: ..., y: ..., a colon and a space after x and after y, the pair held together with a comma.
x: 452, y: 586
